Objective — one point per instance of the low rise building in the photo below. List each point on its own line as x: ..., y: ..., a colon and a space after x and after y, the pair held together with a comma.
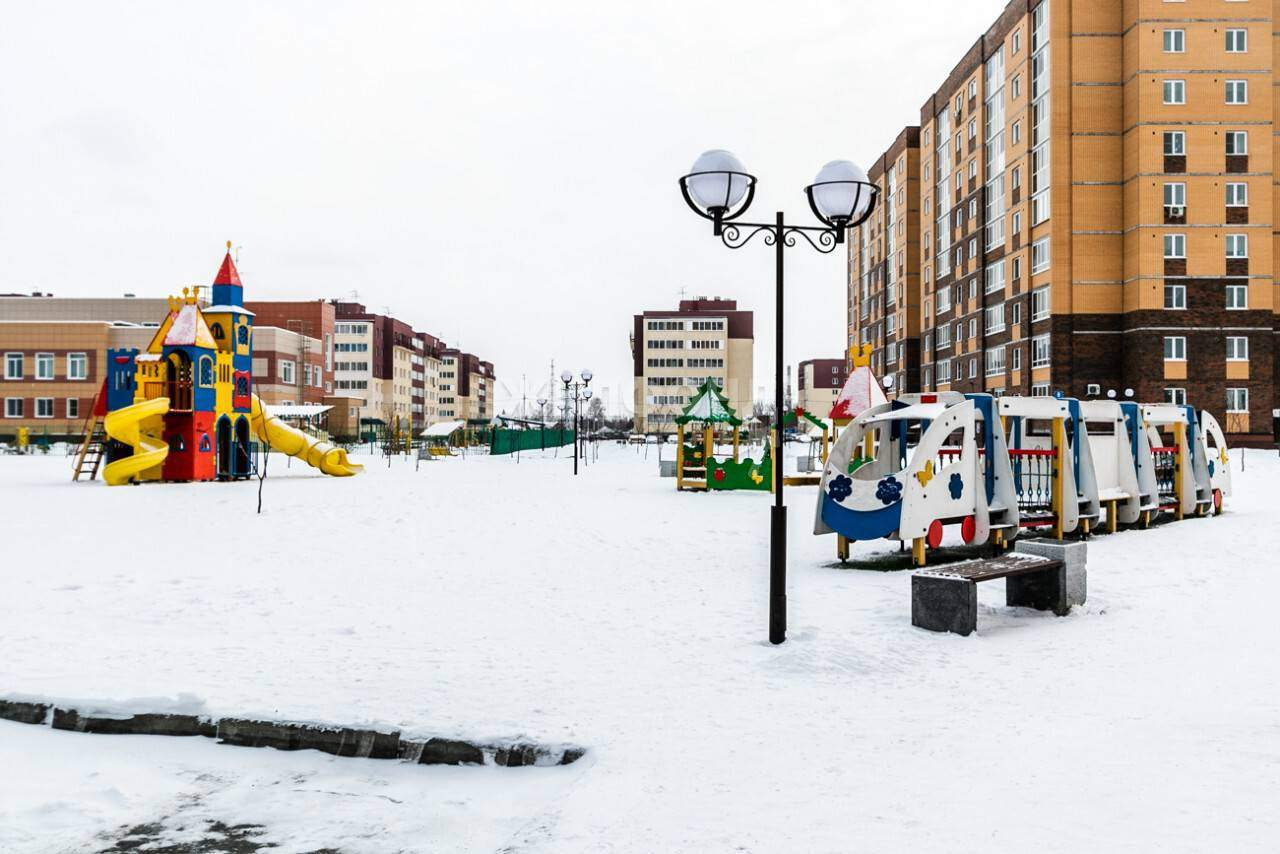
x: 820, y: 384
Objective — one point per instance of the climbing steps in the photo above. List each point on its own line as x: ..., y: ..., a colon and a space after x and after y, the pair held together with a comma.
x: 94, y: 446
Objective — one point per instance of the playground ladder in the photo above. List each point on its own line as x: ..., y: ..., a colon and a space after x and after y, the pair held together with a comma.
x: 94, y: 445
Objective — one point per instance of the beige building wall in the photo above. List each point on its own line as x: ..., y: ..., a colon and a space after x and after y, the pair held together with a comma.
x: 39, y: 366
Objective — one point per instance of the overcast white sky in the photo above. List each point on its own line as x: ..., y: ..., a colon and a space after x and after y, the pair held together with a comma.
x: 499, y: 174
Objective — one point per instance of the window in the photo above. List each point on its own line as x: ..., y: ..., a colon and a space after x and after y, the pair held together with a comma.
x: 215, y: 329
x: 1176, y: 396
x: 1175, y: 246
x: 1237, y: 297
x: 1175, y: 41
x: 995, y: 319
x: 1017, y: 313
x: 1015, y: 361
x: 995, y: 360
x: 1237, y: 348
x: 1237, y: 195
x: 1040, y: 351
x: 1175, y: 296
x: 1017, y: 132
x: 944, y: 371
x: 1015, y: 180
x: 77, y: 366
x: 1175, y: 143
x: 1040, y: 255
x: 13, y: 366
x: 44, y: 407
x: 73, y: 407
x: 1039, y: 304
x: 206, y: 371
x: 973, y: 89
x: 1175, y: 348
x: 13, y: 407
x: 1017, y: 224
x: 1175, y: 92
x: 44, y: 366
x: 1237, y: 246
x: 1237, y: 91
x: 1017, y: 42
x: 286, y: 372
x: 1237, y: 400
x: 1017, y: 262
x: 994, y: 277
x: 242, y: 335
x: 1237, y: 142
x: 1175, y: 195
x: 1040, y: 390
x: 1016, y: 86
x: 1237, y: 41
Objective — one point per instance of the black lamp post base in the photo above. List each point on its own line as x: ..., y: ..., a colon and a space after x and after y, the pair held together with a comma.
x: 777, y: 574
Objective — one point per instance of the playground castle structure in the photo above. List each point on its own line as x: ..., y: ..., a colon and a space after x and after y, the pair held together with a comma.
x: 184, y: 408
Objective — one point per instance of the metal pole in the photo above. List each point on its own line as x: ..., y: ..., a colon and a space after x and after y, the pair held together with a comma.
x: 575, y: 429
x: 778, y: 517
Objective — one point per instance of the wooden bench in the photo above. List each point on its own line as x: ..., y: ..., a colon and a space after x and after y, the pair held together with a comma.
x: 945, y: 599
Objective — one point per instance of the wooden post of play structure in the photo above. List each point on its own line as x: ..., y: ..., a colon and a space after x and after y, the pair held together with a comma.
x: 736, y: 432
x: 842, y: 547
x: 679, y: 456
x: 777, y: 459
x: 917, y: 551
x: 708, y: 449
x: 1056, y: 473
x: 825, y: 445
x: 1179, y: 455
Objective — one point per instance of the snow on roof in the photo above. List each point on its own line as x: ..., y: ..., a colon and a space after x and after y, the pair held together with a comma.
x: 709, y: 407
x: 860, y: 392
x: 215, y: 309
x: 443, y: 428
x: 296, y: 410
x: 189, y: 328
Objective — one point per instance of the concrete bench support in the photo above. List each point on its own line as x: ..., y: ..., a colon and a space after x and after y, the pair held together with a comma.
x: 942, y: 603
x: 1074, y: 557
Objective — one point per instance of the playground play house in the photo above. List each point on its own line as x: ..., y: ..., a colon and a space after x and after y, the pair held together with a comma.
x: 696, y: 463
x: 997, y: 466
x: 184, y: 409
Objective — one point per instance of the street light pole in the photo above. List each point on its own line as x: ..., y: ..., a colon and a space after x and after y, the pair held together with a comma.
x: 778, y: 516
x: 720, y: 189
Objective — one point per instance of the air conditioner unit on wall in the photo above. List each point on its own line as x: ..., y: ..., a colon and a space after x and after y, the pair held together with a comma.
x: 1176, y: 210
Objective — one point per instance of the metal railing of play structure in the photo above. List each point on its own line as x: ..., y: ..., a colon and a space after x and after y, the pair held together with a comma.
x: 1033, y: 470
x: 1165, y: 462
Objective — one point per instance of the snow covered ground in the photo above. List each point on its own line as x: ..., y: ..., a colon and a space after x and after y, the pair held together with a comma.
x: 491, y: 599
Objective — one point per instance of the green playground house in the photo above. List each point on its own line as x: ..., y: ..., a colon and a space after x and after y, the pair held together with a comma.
x: 696, y: 465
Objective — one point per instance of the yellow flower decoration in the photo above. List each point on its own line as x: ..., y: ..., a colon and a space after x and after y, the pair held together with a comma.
x: 925, y: 474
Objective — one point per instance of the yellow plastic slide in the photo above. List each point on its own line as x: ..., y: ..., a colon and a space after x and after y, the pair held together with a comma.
x: 138, y: 426
x: 292, y: 441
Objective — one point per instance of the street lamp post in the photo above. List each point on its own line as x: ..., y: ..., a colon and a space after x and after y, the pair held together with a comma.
x: 720, y: 189
x: 576, y: 391
x: 542, y: 422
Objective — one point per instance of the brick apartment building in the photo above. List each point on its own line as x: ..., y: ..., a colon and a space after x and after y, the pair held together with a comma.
x: 1096, y: 205
x: 820, y: 381
x: 674, y: 352
x: 884, y: 268
x: 309, y: 325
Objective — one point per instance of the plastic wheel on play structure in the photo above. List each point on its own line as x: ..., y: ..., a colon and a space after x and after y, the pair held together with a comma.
x: 933, y: 539
x: 968, y: 527
x: 1217, y: 502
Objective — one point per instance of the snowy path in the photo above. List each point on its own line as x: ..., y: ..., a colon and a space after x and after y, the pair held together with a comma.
x: 486, y: 599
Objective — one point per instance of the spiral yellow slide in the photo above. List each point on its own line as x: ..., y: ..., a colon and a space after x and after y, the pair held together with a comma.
x: 289, y: 440
x: 139, y: 426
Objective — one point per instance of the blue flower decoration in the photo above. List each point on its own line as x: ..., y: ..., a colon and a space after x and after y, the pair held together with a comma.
x: 840, y: 487
x: 889, y: 490
x: 1210, y: 468
x: 956, y: 486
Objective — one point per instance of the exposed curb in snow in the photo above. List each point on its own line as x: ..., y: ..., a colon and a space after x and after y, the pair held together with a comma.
x: 287, y: 735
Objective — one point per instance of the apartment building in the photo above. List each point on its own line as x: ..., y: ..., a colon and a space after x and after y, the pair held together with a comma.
x: 288, y: 368
x: 820, y: 381
x: 466, y: 387
x: 884, y: 268
x: 52, y: 370
x: 674, y: 352
x: 1096, y: 208
x: 312, y: 325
